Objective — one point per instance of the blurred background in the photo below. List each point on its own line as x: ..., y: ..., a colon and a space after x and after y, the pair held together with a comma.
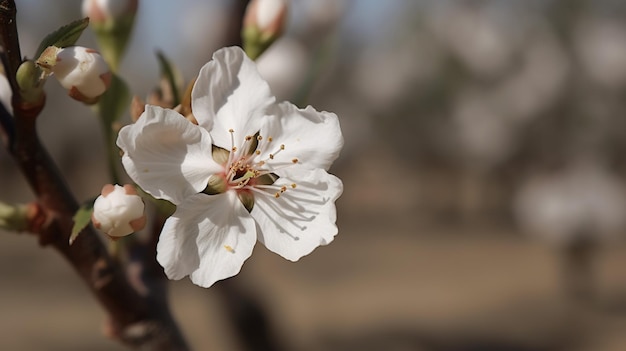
x: 484, y: 172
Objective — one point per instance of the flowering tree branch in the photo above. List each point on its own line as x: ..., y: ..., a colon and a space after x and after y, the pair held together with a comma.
x: 136, y: 319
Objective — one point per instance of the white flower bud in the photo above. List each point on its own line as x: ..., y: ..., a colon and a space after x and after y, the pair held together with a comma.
x: 6, y: 94
x: 103, y: 10
x: 118, y: 211
x: 267, y: 15
x: 263, y: 23
x: 82, y: 71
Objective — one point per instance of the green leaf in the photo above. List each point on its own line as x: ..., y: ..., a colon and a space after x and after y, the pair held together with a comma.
x: 169, y: 73
x: 81, y: 219
x: 64, y: 36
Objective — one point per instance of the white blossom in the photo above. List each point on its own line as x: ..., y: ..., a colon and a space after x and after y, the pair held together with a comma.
x: 82, y: 71
x: 118, y: 211
x: 251, y: 169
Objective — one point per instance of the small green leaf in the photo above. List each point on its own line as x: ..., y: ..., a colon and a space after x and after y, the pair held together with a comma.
x: 81, y: 219
x: 169, y: 73
x: 64, y: 36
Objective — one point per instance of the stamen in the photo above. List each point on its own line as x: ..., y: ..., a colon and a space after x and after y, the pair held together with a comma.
x: 231, y: 155
x: 229, y: 248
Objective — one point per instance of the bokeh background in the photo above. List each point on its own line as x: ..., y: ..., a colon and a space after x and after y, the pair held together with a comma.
x: 484, y: 171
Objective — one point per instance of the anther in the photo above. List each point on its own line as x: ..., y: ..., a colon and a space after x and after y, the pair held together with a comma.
x: 271, y: 156
x: 259, y: 138
x: 282, y: 146
x: 231, y: 130
x: 295, y: 160
x: 293, y: 185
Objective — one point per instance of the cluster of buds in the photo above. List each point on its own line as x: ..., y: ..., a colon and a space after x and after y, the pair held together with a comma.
x: 82, y: 71
x: 263, y: 23
x: 118, y: 211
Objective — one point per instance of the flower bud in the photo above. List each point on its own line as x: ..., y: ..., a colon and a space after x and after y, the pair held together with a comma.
x: 112, y: 22
x: 80, y: 70
x: 100, y: 11
x: 263, y: 23
x: 118, y: 211
x: 6, y: 94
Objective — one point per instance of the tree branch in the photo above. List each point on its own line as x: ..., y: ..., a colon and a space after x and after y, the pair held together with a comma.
x: 138, y: 320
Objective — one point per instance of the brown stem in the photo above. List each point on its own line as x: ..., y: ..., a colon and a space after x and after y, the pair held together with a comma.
x: 137, y: 320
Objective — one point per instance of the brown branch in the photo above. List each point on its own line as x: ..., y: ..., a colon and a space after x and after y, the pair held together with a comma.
x: 137, y: 320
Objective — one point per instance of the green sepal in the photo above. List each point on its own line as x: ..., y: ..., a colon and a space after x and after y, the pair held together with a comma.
x: 64, y: 36
x: 255, y: 42
x: 81, y: 218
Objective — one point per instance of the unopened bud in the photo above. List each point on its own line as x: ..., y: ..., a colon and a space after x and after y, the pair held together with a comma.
x: 112, y: 21
x: 82, y: 71
x: 6, y: 94
x: 118, y: 211
x: 100, y: 11
x: 263, y: 23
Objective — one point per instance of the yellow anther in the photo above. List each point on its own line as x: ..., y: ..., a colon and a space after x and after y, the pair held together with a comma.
x: 282, y: 146
x: 231, y: 130
x: 270, y: 139
x: 229, y: 249
x: 283, y: 189
x: 271, y: 156
x: 259, y: 138
x: 277, y: 195
x: 258, y: 152
x: 293, y: 185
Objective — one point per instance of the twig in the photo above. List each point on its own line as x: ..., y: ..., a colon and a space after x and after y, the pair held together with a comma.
x: 136, y: 320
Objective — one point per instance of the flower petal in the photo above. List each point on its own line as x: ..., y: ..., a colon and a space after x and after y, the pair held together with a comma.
x: 301, y: 218
x: 230, y: 94
x: 169, y: 157
x: 313, y: 138
x: 208, y: 238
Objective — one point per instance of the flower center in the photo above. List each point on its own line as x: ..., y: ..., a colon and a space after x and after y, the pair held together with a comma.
x: 249, y: 169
